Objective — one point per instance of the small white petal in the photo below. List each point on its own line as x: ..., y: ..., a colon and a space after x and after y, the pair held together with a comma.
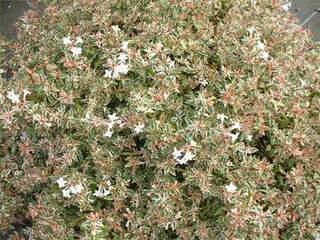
x: 107, y: 73
x: 124, y: 46
x: 79, y: 40
x: 66, y: 41
x: 138, y: 128
x: 123, y: 57
x: 13, y: 97
x: 76, y: 188
x: 231, y: 188
x: 264, y: 55
x: 236, y: 125
x: 176, y: 154
x: 121, y: 69
x: 260, y: 45
x: 61, y: 182
x: 187, y: 157
x: 116, y: 28
x: 113, y: 117
x: 234, y: 137
x: 108, y: 133
x: 66, y: 193
x: 76, y: 51
x: 286, y: 6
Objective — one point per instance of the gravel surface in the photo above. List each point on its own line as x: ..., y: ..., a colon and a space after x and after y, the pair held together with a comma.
x: 10, y: 11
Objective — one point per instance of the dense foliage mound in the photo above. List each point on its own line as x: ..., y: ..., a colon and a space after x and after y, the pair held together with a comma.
x: 160, y: 120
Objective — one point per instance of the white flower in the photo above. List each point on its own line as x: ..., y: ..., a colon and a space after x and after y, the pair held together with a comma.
x: 66, y: 41
x: 286, y: 6
x: 234, y: 137
x: 102, y: 192
x: 124, y: 46
x: 2, y: 71
x: 79, y: 40
x: 176, y: 154
x: 104, y: 189
x: 231, y: 188
x: 108, y: 133
x: 221, y: 117
x: 116, y: 28
x: 188, y: 156
x: 120, y: 123
x: 107, y: 73
x: 76, y: 188
x: 123, y: 57
x: 236, y: 125
x: 184, y: 160
x: 138, y: 128
x: 66, y: 193
x: 13, y: 97
x: 249, y: 137
x: 61, y: 182
x: 76, y: 51
x: 253, y: 2
x: 260, y: 45
x: 110, y: 124
x: 121, y: 69
x: 264, y: 55
x: 113, y: 117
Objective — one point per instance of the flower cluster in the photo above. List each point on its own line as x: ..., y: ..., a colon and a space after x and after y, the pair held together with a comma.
x: 121, y: 68
x: 104, y: 188
x: 74, y: 45
x: 69, y: 189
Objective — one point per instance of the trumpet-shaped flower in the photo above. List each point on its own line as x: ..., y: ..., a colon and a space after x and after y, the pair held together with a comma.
x: 107, y: 73
x: 176, y: 154
x: 102, y: 192
x: 76, y: 51
x: 79, y: 40
x: 108, y: 133
x: 113, y: 117
x: 120, y: 69
x: 286, y: 6
x: 66, y: 193
x: 13, y: 97
x: 231, y: 188
x: 138, y: 128
x: 66, y: 41
x: 233, y: 136
x: 61, y: 182
x: 123, y: 57
x: 236, y: 125
x: 116, y: 28
x: 75, y: 189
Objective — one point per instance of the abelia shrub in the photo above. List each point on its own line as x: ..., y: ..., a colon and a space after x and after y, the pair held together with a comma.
x: 160, y: 120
